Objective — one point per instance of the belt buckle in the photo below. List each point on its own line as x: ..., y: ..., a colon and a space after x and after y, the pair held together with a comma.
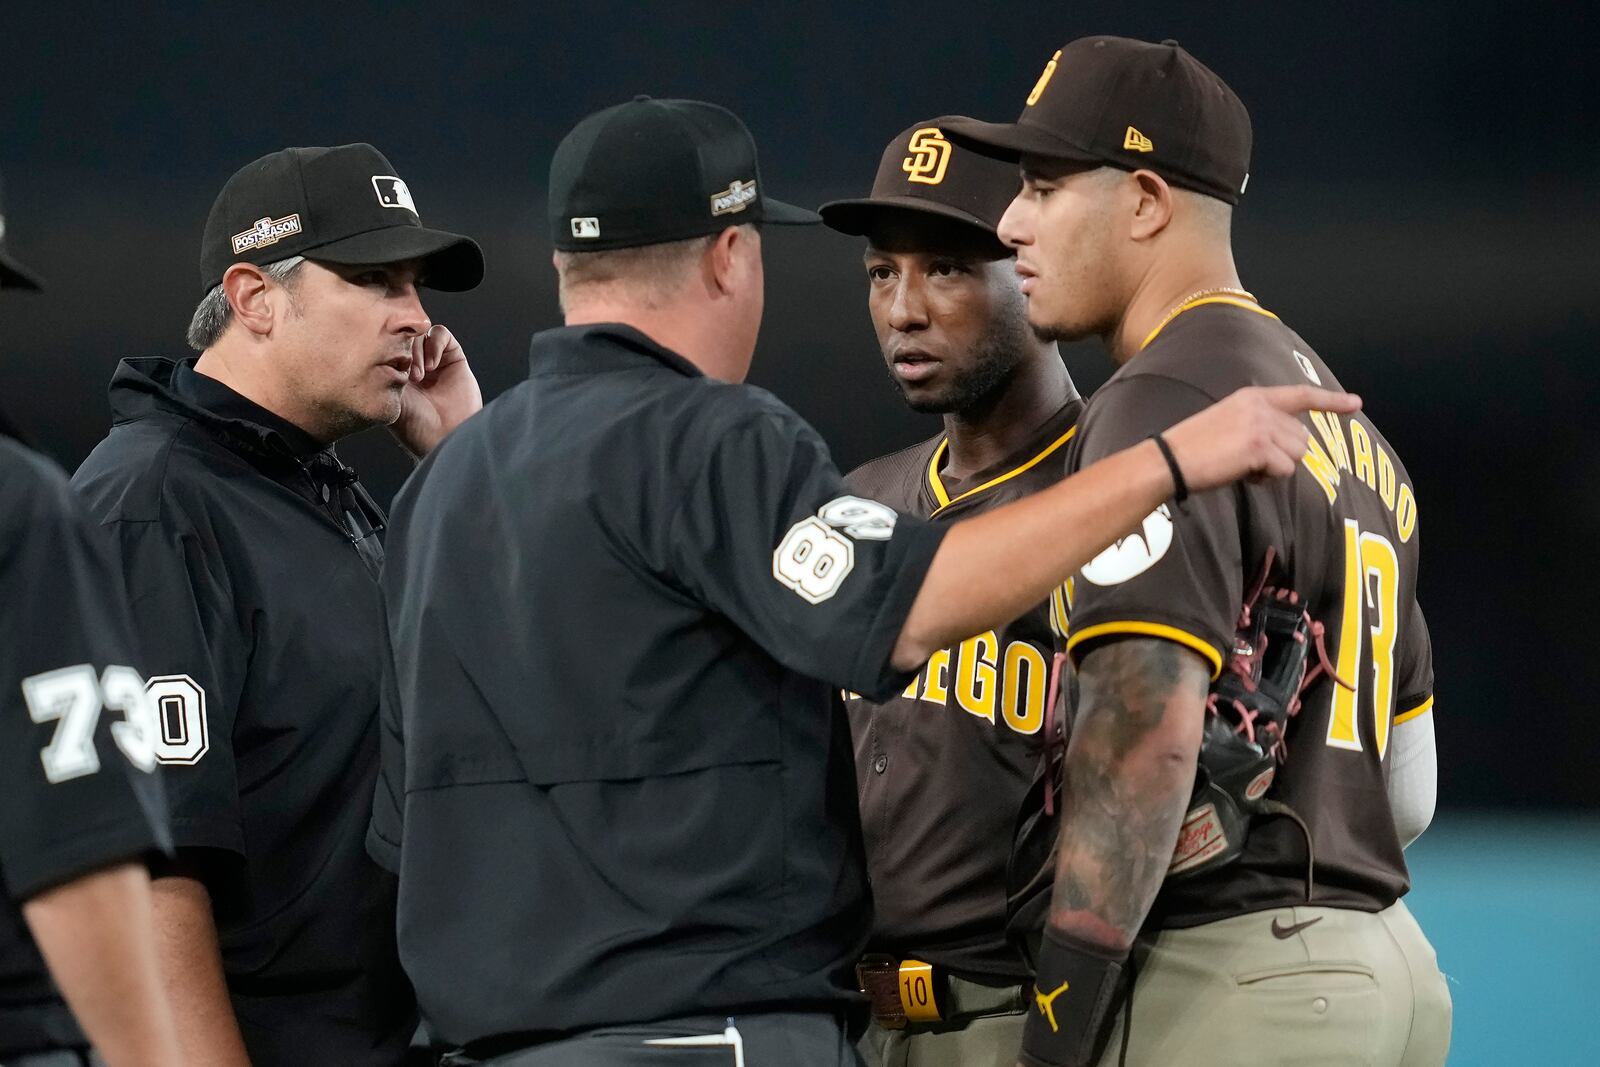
x: 879, y: 978
x: 900, y: 991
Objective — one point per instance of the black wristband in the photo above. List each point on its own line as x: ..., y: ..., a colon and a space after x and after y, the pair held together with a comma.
x: 1075, y: 999
x: 1180, y: 488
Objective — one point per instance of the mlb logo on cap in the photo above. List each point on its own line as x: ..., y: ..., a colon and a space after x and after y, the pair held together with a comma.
x: 392, y: 192
x: 587, y: 228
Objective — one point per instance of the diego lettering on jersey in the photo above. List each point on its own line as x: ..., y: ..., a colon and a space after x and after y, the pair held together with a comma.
x: 1350, y: 447
x: 1002, y: 685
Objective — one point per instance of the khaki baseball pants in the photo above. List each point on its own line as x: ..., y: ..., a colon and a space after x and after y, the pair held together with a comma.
x: 1294, y: 987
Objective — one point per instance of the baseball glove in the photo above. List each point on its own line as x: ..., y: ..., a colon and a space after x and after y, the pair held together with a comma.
x: 1278, y: 652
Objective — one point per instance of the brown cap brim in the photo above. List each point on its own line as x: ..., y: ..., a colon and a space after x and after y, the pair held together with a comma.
x: 855, y: 217
x: 1013, y: 140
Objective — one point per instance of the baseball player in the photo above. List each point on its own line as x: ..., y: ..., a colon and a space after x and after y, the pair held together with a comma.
x: 252, y: 553
x: 943, y: 765
x: 81, y: 810
x: 1253, y: 663
x: 616, y: 785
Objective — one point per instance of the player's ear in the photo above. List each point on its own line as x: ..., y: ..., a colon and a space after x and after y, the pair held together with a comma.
x: 246, y: 288
x: 1152, y: 205
x: 723, y: 261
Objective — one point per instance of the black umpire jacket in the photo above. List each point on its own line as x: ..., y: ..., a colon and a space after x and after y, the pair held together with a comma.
x: 617, y: 780
x: 251, y: 557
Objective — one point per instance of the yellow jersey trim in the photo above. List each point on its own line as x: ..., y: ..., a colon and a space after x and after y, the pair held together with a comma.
x: 1415, y: 713
x: 944, y: 497
x: 1149, y: 629
x: 1246, y: 304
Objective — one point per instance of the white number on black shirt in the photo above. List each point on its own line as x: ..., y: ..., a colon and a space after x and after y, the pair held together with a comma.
x: 72, y: 697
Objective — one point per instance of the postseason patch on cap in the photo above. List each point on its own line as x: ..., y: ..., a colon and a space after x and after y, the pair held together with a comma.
x: 267, y: 231
x: 392, y: 192
x: 736, y: 197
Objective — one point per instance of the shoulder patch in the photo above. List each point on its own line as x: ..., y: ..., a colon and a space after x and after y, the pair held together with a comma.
x: 818, y: 552
x: 1134, y: 554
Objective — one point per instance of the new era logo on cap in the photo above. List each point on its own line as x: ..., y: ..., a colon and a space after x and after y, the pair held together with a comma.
x: 392, y: 192
x: 1134, y: 141
x: 586, y: 228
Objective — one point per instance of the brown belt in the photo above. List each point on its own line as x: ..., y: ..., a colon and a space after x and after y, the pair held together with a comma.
x: 910, y: 992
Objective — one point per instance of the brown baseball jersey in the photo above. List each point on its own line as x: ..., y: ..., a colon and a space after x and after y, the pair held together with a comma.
x: 1345, y: 531
x: 942, y: 768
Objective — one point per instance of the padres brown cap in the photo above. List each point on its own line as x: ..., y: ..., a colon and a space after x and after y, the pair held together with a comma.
x: 338, y: 205
x: 651, y: 171
x: 13, y: 275
x: 1133, y: 105
x: 922, y: 170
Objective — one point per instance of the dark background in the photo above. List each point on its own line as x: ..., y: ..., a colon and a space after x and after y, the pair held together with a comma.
x: 1421, y: 208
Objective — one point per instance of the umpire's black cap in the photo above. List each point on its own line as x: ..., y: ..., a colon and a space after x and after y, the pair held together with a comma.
x: 338, y: 205
x: 1129, y: 104
x: 651, y: 171
x: 923, y: 171
x: 13, y: 275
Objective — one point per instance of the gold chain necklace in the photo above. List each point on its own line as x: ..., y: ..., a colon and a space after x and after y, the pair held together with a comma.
x: 1179, y: 308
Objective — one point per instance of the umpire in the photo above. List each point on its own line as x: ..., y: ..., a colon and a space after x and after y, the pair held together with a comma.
x: 615, y: 783
x: 80, y: 805
x: 251, y: 553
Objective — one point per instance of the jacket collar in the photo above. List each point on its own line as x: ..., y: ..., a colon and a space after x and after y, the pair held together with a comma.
x: 599, y: 347
x: 143, y: 386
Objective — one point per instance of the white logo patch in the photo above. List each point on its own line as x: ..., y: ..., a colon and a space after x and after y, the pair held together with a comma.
x: 865, y: 520
x: 2, y: 227
x: 1306, y: 368
x: 588, y: 227
x: 1134, y: 554
x: 181, y: 729
x: 267, y: 231
x: 392, y: 192
x: 814, y: 557
x: 736, y: 197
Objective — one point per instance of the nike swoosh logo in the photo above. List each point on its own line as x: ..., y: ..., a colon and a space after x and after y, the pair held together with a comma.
x: 1283, y: 933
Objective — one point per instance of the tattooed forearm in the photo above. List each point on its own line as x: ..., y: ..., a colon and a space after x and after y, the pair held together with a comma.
x: 1130, y: 768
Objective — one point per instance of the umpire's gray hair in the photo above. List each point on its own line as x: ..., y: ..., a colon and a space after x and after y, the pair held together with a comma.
x: 648, y: 275
x: 214, y: 313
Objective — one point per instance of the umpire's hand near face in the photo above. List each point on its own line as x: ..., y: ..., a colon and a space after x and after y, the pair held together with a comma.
x: 442, y: 392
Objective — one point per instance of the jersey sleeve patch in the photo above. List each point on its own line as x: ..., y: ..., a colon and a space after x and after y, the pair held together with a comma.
x: 1134, y: 554
x: 818, y: 553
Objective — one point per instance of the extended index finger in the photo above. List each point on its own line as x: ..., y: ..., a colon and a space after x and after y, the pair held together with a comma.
x: 1298, y: 398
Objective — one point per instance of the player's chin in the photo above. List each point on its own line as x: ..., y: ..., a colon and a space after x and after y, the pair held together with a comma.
x: 382, y: 407
x: 1051, y: 325
x: 926, y: 400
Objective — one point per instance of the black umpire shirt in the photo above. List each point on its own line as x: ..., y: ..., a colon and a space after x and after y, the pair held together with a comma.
x: 78, y: 791
x: 251, y: 557
x: 616, y: 783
